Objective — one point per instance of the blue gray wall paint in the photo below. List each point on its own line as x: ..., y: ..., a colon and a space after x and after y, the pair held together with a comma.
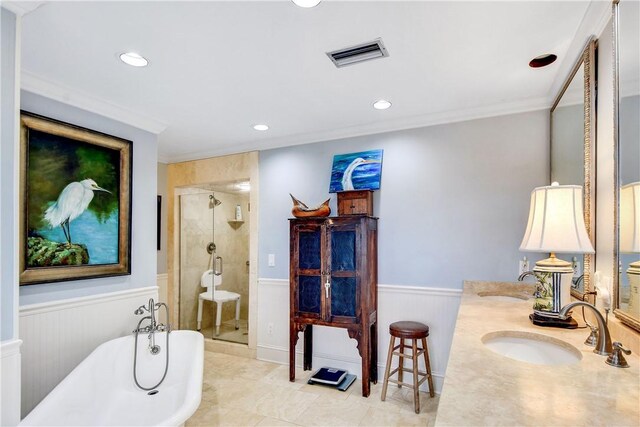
x: 7, y: 170
x: 143, y: 211
x: 629, y: 139
x: 453, y: 204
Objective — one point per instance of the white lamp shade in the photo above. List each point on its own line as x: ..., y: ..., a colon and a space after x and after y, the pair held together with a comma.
x: 556, y: 221
x: 630, y: 218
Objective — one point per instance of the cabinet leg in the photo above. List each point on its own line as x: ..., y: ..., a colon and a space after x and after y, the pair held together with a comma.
x: 308, y: 347
x: 293, y: 339
x: 374, y: 353
x: 366, y: 361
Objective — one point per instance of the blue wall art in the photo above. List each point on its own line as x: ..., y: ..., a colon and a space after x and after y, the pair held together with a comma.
x: 356, y: 171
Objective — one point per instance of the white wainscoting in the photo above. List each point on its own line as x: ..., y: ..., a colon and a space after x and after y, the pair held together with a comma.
x: 58, y: 335
x: 436, y: 307
x: 10, y: 382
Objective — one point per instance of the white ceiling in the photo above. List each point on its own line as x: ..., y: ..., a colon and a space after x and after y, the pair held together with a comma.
x: 218, y: 68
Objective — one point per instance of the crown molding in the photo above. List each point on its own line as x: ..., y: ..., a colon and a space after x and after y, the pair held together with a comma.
x: 413, y: 122
x: 21, y: 8
x: 33, y: 83
x: 594, y: 21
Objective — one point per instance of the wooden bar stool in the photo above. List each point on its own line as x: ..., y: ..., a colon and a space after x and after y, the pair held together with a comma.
x: 413, y: 331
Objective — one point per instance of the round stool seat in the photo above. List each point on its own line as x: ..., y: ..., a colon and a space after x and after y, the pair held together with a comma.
x: 409, y: 330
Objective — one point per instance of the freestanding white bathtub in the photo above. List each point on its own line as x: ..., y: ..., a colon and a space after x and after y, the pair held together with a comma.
x: 101, y: 391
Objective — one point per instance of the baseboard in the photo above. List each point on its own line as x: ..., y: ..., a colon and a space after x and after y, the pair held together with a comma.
x: 10, y: 382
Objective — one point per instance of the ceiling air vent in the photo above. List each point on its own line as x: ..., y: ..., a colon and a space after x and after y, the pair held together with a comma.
x: 358, y: 53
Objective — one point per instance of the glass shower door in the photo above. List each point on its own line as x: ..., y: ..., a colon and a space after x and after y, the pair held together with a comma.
x: 214, y: 236
x: 196, y: 237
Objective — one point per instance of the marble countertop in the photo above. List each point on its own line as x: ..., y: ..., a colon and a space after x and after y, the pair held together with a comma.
x: 482, y: 387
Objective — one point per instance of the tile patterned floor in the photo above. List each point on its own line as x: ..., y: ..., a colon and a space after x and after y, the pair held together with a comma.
x: 247, y: 392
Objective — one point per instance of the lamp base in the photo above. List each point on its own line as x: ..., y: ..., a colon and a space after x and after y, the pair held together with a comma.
x: 553, y: 322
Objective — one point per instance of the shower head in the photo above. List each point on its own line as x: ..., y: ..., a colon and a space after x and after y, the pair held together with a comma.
x: 216, y: 202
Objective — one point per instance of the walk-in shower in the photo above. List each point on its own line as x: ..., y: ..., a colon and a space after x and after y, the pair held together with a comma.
x: 214, y: 261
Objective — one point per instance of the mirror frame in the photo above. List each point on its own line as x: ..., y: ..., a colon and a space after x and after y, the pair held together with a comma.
x: 624, y: 317
x: 589, y: 154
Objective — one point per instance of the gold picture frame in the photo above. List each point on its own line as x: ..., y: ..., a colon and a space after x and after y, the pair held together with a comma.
x: 586, y: 61
x: 72, y: 228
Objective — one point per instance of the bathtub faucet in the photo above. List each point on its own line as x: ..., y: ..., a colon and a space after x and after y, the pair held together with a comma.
x: 153, y: 326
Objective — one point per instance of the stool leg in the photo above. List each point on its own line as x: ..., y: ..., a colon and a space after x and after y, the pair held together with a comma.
x: 392, y: 343
x: 401, y: 366
x: 416, y: 396
x: 428, y: 366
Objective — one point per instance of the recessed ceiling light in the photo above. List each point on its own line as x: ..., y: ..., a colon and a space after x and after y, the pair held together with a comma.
x: 306, y: 3
x: 381, y: 104
x: 261, y: 127
x: 134, y: 59
x: 542, y: 60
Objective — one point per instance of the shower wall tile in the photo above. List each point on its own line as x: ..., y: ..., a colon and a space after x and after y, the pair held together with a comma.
x: 190, y: 177
x: 232, y: 244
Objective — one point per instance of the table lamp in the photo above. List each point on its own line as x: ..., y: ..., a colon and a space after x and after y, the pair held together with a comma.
x: 555, y: 225
x: 630, y: 239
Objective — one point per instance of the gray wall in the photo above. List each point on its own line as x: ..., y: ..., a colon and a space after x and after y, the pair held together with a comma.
x: 453, y: 204
x: 143, y: 210
x: 162, y: 191
x: 629, y: 156
x: 567, y: 145
x: 7, y: 171
x: 629, y: 139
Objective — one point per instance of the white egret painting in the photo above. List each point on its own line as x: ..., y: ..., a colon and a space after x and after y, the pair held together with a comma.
x: 356, y: 171
x: 76, y: 202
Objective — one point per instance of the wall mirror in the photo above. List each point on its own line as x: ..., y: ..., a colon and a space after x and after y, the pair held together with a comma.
x: 626, y: 26
x: 573, y: 152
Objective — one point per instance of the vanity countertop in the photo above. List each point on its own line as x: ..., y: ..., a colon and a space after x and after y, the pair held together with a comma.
x: 485, y: 388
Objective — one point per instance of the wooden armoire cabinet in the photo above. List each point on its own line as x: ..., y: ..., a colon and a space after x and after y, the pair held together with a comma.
x: 333, y: 281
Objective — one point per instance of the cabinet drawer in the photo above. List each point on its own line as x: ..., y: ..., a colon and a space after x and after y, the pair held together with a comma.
x: 355, y: 203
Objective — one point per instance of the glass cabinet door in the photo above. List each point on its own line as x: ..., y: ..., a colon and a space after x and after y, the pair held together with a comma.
x: 308, y: 268
x: 344, y: 264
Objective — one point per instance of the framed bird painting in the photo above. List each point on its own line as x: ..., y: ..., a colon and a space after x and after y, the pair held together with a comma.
x: 356, y: 171
x: 75, y: 202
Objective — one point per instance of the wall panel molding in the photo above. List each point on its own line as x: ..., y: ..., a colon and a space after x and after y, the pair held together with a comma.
x: 65, y: 304
x: 437, y: 307
x: 58, y: 335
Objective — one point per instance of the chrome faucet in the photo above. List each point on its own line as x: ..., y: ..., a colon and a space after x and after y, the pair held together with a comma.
x: 153, y: 326
x: 525, y: 274
x: 576, y: 284
x: 603, y: 342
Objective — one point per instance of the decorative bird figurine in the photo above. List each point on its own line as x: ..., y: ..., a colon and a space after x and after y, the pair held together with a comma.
x: 347, y: 183
x: 72, y: 201
x: 300, y: 210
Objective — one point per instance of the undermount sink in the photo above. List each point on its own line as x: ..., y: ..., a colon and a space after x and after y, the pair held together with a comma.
x: 532, y: 348
x: 503, y: 296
